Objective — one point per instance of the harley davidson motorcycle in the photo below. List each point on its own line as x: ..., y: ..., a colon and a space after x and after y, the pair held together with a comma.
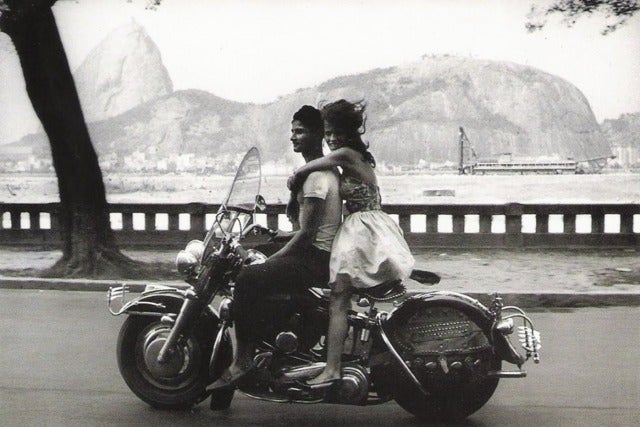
x: 439, y: 354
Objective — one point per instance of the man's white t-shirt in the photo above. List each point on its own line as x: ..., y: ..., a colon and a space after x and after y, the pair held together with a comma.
x: 324, y: 185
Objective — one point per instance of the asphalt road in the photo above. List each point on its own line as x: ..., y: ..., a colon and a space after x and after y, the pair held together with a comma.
x: 58, y: 368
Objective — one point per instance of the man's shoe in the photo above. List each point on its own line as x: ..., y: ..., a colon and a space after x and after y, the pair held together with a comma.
x: 227, y: 380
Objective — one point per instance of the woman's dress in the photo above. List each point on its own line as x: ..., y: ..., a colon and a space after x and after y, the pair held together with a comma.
x: 369, y: 248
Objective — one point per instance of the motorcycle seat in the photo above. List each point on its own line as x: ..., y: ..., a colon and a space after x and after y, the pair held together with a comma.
x: 383, y: 292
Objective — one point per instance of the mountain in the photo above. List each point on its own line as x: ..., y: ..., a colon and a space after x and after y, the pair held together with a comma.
x: 414, y: 112
x: 121, y: 72
x: 187, y: 121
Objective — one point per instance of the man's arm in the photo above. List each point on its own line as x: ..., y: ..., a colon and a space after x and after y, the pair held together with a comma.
x: 311, y: 214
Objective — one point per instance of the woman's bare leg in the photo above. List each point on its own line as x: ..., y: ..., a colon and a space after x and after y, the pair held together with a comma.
x: 339, y: 304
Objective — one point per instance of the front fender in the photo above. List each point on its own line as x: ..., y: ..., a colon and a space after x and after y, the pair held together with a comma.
x: 153, y: 301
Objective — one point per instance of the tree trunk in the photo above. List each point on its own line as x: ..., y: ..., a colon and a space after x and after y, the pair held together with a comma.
x: 89, y: 248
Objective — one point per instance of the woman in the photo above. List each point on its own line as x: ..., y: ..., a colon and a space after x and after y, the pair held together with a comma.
x: 369, y: 248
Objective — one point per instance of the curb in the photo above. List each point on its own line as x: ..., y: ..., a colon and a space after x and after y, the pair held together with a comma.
x: 521, y: 299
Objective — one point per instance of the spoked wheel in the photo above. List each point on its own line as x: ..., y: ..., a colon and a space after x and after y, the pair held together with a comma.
x: 178, y: 382
x: 450, y: 355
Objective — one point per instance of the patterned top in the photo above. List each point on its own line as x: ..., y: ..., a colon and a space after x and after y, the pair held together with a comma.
x: 359, y: 196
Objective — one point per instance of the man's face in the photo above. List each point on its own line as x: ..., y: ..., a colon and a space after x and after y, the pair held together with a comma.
x: 303, y: 139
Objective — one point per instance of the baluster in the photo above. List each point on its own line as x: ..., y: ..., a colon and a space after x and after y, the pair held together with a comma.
x: 597, y: 223
x: 127, y: 221
x: 457, y: 223
x: 197, y: 222
x: 432, y: 223
x: 15, y: 220
x: 626, y: 223
x: 174, y: 221
x: 149, y: 221
x: 404, y: 221
x: 485, y: 224
x: 569, y: 223
x: 54, y: 217
x: 542, y: 223
x: 34, y: 220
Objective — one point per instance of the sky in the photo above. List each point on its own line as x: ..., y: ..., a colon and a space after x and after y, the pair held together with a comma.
x: 258, y: 50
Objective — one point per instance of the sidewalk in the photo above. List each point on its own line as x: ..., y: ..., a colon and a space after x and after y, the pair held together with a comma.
x: 543, y: 278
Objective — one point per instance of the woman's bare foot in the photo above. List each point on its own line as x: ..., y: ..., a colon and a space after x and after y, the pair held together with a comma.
x: 324, y: 377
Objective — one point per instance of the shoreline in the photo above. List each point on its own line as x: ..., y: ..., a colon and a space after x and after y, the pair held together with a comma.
x: 396, y: 189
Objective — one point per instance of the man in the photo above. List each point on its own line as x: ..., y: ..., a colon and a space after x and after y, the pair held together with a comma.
x: 304, y: 259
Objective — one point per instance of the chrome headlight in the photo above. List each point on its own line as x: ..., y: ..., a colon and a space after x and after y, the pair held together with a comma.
x: 196, y: 248
x: 188, y: 259
x: 186, y: 262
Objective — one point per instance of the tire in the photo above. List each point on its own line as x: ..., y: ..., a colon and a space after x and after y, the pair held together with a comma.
x: 178, y: 384
x: 454, y: 405
x: 422, y: 337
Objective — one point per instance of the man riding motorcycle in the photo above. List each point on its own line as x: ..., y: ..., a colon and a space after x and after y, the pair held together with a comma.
x: 303, y: 261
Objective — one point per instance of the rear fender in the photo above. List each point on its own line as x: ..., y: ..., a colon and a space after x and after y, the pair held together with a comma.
x: 471, y: 307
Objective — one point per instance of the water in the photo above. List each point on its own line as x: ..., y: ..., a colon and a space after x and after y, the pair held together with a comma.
x: 397, y: 189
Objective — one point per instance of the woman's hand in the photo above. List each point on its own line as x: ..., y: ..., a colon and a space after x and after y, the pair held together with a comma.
x: 294, y: 182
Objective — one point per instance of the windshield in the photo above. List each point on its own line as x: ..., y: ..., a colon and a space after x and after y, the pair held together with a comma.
x: 246, y: 185
x: 236, y: 212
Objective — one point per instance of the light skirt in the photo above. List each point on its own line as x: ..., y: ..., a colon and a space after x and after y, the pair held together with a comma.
x: 368, y: 250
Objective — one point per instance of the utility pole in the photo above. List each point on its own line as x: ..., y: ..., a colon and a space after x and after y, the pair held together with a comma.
x: 464, y: 145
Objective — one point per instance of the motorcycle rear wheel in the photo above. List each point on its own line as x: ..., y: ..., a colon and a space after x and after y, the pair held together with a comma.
x: 454, y: 406
x: 178, y: 384
x: 425, y: 336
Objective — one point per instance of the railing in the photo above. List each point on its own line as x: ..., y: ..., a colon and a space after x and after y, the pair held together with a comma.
x: 170, y: 226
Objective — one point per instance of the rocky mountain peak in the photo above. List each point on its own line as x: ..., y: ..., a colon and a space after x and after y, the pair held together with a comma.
x: 123, y: 71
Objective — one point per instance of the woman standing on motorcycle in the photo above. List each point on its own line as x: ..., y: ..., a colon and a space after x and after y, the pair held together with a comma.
x: 369, y: 248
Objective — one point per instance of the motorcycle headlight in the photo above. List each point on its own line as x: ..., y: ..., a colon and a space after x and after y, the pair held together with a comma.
x: 196, y: 248
x: 186, y: 262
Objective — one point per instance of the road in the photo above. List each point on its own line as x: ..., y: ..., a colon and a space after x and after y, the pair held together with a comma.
x: 58, y: 368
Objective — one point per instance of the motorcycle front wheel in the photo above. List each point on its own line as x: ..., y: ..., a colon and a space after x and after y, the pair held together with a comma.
x: 177, y: 383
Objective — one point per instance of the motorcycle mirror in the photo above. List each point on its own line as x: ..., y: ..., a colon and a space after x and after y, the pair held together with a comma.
x: 261, y: 204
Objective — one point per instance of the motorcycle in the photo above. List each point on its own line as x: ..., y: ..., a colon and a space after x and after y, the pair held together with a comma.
x: 438, y: 354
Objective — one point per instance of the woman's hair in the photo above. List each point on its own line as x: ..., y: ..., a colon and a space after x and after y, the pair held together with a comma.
x: 349, y: 118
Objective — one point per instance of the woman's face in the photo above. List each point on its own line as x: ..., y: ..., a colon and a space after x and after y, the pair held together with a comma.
x: 335, y: 138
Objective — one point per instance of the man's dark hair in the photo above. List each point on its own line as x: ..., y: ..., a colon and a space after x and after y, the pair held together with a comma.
x: 311, y: 118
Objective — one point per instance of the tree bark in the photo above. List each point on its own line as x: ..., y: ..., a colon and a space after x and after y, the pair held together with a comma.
x: 89, y: 247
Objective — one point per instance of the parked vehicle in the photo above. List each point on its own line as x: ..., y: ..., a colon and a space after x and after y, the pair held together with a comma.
x: 439, y: 355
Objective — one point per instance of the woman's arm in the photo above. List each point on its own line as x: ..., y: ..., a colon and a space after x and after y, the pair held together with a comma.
x: 342, y: 157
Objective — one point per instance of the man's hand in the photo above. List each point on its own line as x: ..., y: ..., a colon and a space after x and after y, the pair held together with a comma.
x: 309, y: 223
x: 293, y: 209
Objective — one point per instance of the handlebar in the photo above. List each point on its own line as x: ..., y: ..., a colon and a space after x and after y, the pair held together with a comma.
x: 259, y: 229
x: 242, y: 252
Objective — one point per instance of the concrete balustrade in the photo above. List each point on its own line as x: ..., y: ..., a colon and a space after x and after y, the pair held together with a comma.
x: 170, y: 226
